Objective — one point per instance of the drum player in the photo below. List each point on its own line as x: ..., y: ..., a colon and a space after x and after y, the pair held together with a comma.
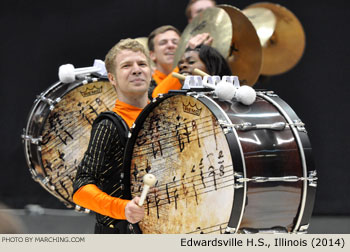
x: 202, y: 57
x: 99, y: 181
x: 205, y: 58
x: 162, y: 44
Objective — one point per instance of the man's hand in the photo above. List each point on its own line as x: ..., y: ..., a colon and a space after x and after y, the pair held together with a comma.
x: 202, y: 38
x: 133, y: 212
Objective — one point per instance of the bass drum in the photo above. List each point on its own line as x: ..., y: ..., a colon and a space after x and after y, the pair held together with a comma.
x: 58, y: 131
x: 222, y: 167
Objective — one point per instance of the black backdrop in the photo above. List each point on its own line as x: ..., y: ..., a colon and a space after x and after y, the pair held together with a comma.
x: 38, y: 36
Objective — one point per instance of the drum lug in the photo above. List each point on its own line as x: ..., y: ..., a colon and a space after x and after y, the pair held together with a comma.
x: 270, y: 93
x: 31, y: 139
x: 257, y: 179
x: 34, y: 175
x: 226, y: 128
x: 196, y: 95
x: 302, y: 229
x: 49, y: 101
x: 267, y: 93
x: 239, y: 180
x: 251, y: 126
x: 299, y: 125
x: 230, y: 230
x: 312, y: 178
x: 46, y: 181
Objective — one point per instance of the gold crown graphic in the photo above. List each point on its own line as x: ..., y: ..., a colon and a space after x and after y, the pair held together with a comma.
x: 192, y: 109
x: 91, y: 91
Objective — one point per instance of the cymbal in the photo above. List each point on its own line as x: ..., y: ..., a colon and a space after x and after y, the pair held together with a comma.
x: 144, y: 41
x: 264, y: 22
x: 245, y: 57
x: 212, y: 20
x: 283, y: 50
x: 234, y: 37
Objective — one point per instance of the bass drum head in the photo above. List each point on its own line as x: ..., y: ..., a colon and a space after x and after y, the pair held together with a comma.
x: 63, y: 132
x: 179, y: 140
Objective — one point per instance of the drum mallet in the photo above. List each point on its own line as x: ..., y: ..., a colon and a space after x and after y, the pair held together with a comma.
x: 179, y: 76
x: 200, y: 72
x: 67, y: 72
x: 148, y: 180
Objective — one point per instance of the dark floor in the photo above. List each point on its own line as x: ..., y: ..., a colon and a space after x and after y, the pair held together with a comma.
x: 36, y: 220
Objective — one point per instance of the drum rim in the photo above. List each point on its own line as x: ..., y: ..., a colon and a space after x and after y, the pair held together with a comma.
x: 40, y: 104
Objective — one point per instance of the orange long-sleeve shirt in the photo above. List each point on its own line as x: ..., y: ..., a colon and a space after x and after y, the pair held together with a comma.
x: 93, y: 198
x: 165, y: 82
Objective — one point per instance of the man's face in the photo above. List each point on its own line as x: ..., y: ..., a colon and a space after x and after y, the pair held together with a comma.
x: 199, y: 6
x: 132, y: 74
x: 165, y: 45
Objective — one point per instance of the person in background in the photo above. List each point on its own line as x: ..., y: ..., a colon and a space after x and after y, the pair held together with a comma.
x: 203, y: 57
x: 194, y: 7
x: 162, y: 45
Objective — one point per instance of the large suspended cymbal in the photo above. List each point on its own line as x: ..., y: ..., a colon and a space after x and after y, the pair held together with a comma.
x: 234, y: 37
x: 245, y: 56
x: 212, y: 20
x: 144, y: 41
x: 264, y: 22
x: 283, y: 50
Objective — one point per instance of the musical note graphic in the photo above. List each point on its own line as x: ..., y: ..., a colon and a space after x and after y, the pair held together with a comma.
x: 192, y: 164
x: 65, y: 134
x: 194, y: 127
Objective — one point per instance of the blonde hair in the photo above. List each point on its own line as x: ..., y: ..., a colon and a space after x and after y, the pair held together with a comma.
x: 124, y: 44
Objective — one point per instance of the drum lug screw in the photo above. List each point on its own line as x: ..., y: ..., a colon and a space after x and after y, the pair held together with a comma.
x: 271, y: 94
x: 32, y: 139
x: 230, y: 230
x: 312, y: 178
x: 300, y: 125
x: 227, y: 128
x: 303, y: 229
x: 238, y: 180
x: 49, y: 101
